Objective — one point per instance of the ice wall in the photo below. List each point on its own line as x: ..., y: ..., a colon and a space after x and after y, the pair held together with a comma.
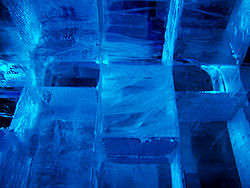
x: 124, y: 93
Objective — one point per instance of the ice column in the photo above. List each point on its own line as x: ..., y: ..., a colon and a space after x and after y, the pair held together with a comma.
x: 238, y: 129
x: 174, y: 15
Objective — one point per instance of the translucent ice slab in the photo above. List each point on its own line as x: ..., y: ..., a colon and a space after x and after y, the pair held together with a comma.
x: 135, y: 29
x: 138, y: 100
x: 209, y: 159
x: 137, y: 113
x: 207, y: 107
x: 72, y: 74
x: 216, y: 95
x: 133, y: 175
x: 55, y: 139
x: 75, y: 36
x: 202, y: 37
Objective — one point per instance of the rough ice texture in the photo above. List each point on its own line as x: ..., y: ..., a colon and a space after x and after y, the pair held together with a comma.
x: 130, y: 104
x: 100, y: 107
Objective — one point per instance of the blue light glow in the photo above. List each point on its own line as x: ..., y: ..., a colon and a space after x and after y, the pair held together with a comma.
x: 124, y: 93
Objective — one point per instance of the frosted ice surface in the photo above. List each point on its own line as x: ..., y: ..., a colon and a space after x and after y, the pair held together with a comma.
x: 124, y: 93
x: 59, y: 141
x: 130, y: 103
x: 135, y: 29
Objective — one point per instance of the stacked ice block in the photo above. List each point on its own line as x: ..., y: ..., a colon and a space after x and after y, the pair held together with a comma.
x: 115, y: 93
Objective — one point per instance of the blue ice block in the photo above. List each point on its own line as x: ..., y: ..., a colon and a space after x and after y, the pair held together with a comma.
x: 137, y: 125
x: 137, y: 101
x: 46, y: 142
x: 98, y: 106
x: 135, y: 29
x: 134, y: 175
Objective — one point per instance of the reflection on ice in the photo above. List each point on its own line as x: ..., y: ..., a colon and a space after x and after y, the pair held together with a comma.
x: 124, y: 93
